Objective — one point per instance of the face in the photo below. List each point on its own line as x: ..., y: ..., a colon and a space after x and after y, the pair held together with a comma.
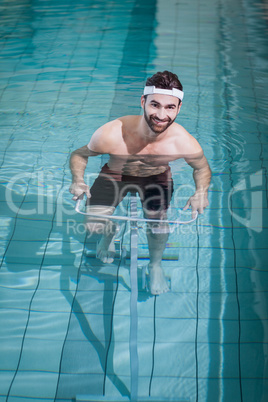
x: 160, y: 111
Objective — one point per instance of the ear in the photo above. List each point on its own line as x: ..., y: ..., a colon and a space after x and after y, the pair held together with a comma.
x: 179, y: 108
x: 142, y: 101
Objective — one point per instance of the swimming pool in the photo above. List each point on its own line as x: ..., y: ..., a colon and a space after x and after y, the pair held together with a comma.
x: 66, y: 68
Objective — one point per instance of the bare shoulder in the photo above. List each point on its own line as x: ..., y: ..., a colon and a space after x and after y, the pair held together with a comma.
x: 106, y: 138
x: 111, y: 137
x: 192, y: 150
x: 184, y: 141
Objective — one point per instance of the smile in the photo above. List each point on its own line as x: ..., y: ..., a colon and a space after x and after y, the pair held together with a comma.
x: 158, y: 121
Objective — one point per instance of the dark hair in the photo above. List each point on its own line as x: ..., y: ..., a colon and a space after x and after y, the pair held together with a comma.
x: 165, y: 80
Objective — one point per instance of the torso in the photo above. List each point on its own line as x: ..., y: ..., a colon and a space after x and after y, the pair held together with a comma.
x: 131, y: 155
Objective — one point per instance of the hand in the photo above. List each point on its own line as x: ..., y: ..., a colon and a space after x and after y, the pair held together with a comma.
x: 78, y: 189
x: 198, y: 202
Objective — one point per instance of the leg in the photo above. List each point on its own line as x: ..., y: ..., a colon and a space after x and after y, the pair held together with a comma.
x: 157, y: 198
x: 104, y: 190
x: 157, y: 240
x: 105, y: 249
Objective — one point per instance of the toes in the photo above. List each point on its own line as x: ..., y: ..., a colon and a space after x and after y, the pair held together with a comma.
x: 104, y: 257
x: 158, y: 285
x: 156, y: 291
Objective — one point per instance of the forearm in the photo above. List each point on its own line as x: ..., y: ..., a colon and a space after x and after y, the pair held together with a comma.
x: 78, y: 165
x: 202, y: 178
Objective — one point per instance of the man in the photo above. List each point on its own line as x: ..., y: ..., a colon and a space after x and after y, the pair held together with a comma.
x: 140, y: 148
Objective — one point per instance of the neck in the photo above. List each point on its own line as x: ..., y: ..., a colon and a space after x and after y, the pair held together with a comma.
x: 146, y: 134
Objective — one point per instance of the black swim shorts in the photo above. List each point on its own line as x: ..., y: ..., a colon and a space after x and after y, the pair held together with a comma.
x: 110, y: 188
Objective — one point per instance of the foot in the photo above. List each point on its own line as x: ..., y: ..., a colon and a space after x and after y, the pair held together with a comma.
x: 158, y: 283
x: 106, y: 250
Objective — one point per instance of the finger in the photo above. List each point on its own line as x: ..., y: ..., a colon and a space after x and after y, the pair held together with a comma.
x: 194, y: 211
x: 200, y: 210
x: 81, y: 196
x: 187, y: 205
x: 78, y: 197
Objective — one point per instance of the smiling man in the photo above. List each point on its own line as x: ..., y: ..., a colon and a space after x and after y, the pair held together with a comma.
x: 140, y: 149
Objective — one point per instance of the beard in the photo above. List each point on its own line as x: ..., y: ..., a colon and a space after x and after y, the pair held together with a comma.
x: 154, y: 126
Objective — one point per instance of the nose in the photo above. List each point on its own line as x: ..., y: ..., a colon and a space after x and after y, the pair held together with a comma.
x: 161, y: 114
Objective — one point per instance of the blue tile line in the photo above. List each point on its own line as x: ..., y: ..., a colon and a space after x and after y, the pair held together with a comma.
x: 153, y: 347
x: 112, y: 318
x: 197, y: 131
x: 133, y: 337
x: 237, y: 293
x: 197, y: 311
x: 69, y: 320
x: 226, y: 101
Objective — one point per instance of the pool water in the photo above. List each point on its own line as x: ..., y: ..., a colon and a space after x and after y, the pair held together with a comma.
x: 66, y: 68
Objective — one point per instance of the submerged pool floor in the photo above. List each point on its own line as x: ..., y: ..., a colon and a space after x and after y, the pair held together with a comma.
x: 66, y: 68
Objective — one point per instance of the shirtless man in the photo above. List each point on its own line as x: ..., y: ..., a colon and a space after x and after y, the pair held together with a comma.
x: 142, y: 146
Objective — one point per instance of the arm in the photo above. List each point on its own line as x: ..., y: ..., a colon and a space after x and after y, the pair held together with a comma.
x: 78, y: 163
x: 202, y: 177
x: 103, y: 141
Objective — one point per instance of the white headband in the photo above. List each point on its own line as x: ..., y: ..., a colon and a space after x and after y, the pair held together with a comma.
x: 149, y: 90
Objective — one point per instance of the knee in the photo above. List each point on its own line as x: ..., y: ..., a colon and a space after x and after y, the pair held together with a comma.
x: 94, y: 226
x: 99, y: 225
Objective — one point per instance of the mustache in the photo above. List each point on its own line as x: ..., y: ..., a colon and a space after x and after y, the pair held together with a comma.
x: 166, y: 120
